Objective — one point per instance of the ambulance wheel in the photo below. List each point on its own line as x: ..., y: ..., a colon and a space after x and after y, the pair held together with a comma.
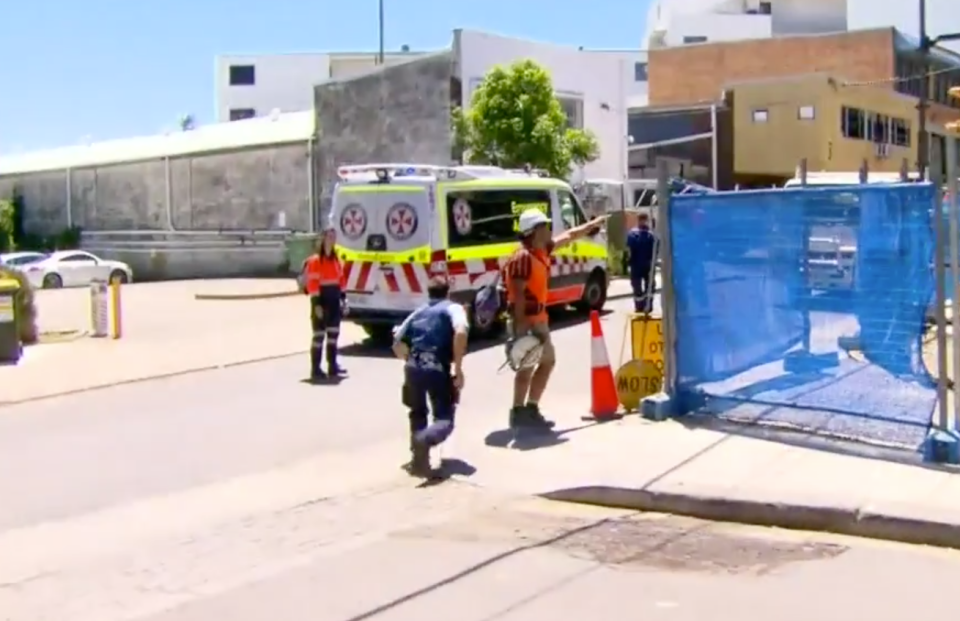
x: 380, y: 334
x: 594, y: 293
x: 491, y: 330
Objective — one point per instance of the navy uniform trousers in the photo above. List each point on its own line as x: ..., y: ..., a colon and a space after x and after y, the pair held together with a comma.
x: 426, y: 390
x: 325, y: 317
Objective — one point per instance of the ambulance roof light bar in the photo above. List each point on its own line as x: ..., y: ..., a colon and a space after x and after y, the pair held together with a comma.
x: 388, y: 171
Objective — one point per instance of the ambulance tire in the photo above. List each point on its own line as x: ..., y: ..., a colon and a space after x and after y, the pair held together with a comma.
x: 594, y: 293
x: 380, y: 334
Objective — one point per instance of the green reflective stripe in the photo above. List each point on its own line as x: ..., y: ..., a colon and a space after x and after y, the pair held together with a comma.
x: 486, y: 251
x: 386, y: 188
x: 586, y: 249
x: 420, y: 254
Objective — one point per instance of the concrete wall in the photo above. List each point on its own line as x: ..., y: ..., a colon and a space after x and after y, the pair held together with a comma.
x: 246, y: 189
x: 399, y: 113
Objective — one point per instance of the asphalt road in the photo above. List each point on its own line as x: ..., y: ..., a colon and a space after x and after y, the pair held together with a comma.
x: 245, y: 494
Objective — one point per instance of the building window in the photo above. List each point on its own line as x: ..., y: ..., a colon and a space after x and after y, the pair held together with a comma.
x: 761, y: 116
x: 853, y: 123
x: 806, y: 113
x: 640, y: 72
x: 766, y: 8
x: 879, y: 128
x: 243, y: 75
x: 239, y: 114
x: 573, y: 108
x: 900, y: 132
x: 694, y: 39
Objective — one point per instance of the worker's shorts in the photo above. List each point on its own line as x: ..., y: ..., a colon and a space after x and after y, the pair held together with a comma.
x: 542, y: 331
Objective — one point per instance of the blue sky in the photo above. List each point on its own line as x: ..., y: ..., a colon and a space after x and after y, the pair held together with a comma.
x: 73, y: 70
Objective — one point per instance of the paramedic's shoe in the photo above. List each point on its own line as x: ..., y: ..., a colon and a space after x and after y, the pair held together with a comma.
x: 317, y: 375
x: 335, y: 370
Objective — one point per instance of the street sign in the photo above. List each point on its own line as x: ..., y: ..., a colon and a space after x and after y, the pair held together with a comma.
x: 635, y: 380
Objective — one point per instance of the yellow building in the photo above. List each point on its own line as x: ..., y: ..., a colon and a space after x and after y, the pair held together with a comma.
x: 777, y: 123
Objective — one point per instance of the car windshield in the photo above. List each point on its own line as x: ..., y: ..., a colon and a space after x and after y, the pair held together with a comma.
x: 25, y: 259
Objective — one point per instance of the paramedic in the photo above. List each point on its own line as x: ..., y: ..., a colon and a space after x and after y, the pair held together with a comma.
x: 323, y: 282
x: 432, y: 341
x: 527, y: 277
x: 641, y: 249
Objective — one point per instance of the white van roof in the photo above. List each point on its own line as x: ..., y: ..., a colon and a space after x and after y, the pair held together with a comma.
x: 412, y: 171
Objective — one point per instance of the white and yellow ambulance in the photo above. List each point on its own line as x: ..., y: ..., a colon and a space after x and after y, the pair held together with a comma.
x: 399, y: 223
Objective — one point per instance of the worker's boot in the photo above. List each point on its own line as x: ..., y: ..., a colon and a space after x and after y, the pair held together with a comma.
x: 333, y: 367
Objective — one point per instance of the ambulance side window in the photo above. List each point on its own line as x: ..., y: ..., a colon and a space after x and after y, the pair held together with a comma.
x: 570, y: 210
x: 489, y: 216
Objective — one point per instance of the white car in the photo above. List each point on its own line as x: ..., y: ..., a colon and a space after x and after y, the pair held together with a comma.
x: 75, y: 268
x: 19, y: 259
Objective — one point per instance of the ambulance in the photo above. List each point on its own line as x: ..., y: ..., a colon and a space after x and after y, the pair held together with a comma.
x: 397, y: 224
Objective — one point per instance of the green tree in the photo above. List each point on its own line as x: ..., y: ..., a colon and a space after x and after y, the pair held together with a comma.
x: 7, y: 226
x: 515, y: 119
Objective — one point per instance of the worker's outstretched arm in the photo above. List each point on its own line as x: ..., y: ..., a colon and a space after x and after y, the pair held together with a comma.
x: 578, y: 232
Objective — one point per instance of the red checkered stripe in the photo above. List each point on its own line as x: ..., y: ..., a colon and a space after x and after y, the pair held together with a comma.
x: 565, y: 265
x: 368, y: 276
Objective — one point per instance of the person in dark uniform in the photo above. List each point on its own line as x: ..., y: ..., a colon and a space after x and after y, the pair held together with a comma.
x: 432, y: 342
x: 323, y: 282
x: 641, y: 250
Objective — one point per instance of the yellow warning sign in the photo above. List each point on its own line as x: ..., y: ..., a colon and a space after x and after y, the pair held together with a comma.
x: 646, y: 338
x: 635, y: 380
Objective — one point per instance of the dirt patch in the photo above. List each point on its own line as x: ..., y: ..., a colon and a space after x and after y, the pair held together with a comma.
x: 640, y: 541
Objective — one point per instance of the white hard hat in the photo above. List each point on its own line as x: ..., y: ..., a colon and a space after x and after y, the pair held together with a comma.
x: 530, y: 219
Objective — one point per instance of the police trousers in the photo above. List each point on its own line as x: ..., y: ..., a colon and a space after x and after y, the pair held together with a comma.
x: 643, y: 289
x: 325, y: 316
x: 426, y: 390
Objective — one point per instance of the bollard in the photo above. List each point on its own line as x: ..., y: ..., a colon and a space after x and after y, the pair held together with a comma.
x: 116, y: 323
x: 10, y: 346
x: 99, y: 309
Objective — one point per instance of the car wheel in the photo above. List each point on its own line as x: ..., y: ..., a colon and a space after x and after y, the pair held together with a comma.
x: 119, y: 276
x: 594, y: 293
x: 492, y: 329
x: 380, y: 334
x: 52, y: 281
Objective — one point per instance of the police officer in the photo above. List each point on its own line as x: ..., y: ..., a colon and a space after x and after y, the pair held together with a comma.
x: 323, y: 283
x: 432, y: 342
x: 642, y: 249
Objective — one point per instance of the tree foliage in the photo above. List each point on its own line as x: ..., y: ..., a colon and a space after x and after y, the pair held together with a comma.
x: 515, y: 119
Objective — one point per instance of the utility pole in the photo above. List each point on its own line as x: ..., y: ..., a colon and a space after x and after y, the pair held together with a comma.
x: 380, y: 55
x: 926, y: 44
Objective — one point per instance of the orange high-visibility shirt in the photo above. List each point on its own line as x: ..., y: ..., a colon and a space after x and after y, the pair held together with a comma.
x: 533, y: 267
x: 322, y: 271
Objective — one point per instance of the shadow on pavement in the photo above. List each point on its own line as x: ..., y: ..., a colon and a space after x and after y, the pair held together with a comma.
x: 559, y: 320
x: 530, y: 439
x: 449, y: 468
x: 810, y: 440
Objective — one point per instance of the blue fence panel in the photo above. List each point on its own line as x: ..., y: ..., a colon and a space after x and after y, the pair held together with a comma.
x: 805, y: 308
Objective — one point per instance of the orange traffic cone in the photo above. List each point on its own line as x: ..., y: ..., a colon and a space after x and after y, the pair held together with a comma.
x: 603, y: 389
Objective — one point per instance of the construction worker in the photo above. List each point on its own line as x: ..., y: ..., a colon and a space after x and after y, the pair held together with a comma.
x: 432, y: 341
x: 323, y: 282
x: 527, y: 279
x: 641, y: 251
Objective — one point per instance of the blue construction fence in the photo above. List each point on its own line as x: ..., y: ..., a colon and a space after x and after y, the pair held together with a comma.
x: 805, y: 308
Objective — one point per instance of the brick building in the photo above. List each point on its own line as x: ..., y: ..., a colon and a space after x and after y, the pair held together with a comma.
x: 697, y: 74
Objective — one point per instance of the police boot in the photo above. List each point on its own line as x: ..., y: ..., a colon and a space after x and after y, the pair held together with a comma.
x: 419, y: 459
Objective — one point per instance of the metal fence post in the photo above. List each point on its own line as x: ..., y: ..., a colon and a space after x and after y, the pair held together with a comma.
x: 954, y: 215
x: 667, y: 299
x: 939, y: 257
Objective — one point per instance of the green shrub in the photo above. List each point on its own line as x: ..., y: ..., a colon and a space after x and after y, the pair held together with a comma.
x: 7, y: 226
x: 26, y: 308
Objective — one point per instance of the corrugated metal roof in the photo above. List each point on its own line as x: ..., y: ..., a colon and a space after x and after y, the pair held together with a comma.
x: 285, y: 128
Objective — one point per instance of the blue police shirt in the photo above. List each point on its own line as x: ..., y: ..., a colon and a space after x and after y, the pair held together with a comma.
x: 641, y: 242
x: 428, y: 332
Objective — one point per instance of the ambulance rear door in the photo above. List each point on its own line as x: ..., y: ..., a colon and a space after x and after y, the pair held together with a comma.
x: 383, y: 231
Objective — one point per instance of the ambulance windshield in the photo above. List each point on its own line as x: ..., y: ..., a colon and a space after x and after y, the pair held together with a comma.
x: 381, y: 218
